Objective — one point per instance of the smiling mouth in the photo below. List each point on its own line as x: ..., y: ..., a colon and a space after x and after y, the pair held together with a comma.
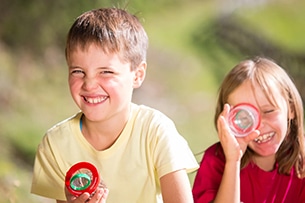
x: 94, y: 100
x: 264, y: 138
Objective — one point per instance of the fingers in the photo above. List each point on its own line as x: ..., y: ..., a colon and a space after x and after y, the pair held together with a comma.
x: 224, y: 131
x: 83, y: 198
x: 104, y: 196
x: 226, y: 110
x: 100, y: 196
x: 234, y: 147
x: 252, y: 136
x: 223, y: 128
x: 222, y: 124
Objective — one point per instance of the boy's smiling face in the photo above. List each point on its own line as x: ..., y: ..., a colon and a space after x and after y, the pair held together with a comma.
x: 101, y: 84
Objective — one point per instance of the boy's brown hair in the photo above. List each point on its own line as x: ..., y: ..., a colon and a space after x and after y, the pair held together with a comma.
x: 114, y: 30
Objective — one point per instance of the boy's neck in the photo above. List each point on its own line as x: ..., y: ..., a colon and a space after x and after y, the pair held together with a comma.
x: 102, y: 135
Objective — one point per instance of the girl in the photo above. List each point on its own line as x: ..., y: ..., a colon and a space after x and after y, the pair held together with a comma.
x: 268, y: 164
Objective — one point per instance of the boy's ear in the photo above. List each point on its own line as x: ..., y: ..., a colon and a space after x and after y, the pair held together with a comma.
x: 140, y: 73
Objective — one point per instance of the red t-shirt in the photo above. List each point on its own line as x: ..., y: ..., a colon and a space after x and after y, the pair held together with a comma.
x: 256, y: 185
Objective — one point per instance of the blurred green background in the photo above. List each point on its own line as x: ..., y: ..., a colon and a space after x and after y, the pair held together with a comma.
x: 193, y: 44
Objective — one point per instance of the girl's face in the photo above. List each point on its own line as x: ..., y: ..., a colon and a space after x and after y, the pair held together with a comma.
x: 101, y: 84
x: 273, y: 127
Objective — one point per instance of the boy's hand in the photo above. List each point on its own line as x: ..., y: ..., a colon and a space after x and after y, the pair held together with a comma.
x: 99, y: 196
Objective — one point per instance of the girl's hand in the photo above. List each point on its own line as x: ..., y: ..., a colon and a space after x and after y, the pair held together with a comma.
x: 234, y: 147
x: 99, y: 196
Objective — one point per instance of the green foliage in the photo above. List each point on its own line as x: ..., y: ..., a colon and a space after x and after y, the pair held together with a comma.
x: 280, y: 23
x: 34, y: 25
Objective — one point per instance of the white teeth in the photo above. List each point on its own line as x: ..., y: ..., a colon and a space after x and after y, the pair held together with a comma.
x: 264, y: 138
x: 95, y: 100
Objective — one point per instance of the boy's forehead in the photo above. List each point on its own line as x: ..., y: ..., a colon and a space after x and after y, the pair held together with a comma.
x: 84, y: 47
x: 91, y: 54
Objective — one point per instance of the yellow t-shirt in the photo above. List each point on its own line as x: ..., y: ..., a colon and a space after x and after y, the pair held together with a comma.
x: 148, y: 148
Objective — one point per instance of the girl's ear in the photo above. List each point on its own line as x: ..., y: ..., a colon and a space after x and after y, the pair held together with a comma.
x: 140, y: 73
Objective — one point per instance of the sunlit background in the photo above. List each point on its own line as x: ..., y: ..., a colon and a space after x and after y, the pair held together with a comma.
x: 193, y: 44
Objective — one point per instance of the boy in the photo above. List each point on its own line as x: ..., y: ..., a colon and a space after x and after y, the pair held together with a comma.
x: 139, y: 153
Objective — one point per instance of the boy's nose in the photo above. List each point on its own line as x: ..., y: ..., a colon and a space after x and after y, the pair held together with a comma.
x: 90, y: 83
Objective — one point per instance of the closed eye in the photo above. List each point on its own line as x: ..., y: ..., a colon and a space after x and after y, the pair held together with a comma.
x: 77, y: 71
x: 269, y: 111
x: 107, y: 72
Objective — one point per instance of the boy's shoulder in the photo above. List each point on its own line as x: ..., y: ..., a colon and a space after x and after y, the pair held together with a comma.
x: 141, y: 107
x: 62, y: 132
x: 143, y: 111
x: 66, y: 122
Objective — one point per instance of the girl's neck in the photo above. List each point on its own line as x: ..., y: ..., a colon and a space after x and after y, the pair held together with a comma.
x: 264, y: 163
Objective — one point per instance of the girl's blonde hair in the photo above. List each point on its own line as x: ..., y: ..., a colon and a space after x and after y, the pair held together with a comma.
x: 268, y: 75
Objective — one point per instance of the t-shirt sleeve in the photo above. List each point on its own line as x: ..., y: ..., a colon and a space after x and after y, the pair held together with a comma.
x: 171, y: 151
x: 48, y: 180
x: 209, y: 175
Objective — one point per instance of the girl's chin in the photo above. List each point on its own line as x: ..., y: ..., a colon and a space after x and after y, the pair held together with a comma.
x: 264, y: 152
